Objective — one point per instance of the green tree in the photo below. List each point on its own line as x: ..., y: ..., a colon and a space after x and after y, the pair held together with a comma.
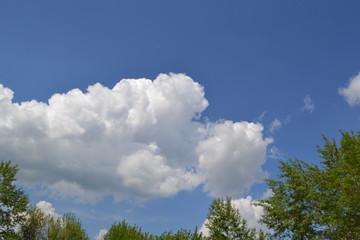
x: 13, y: 201
x: 225, y: 222
x: 66, y: 228
x: 181, y: 234
x: 124, y: 231
x: 35, y: 226
x: 318, y: 202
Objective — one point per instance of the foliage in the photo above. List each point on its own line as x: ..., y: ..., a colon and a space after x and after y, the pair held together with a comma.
x: 124, y: 231
x: 13, y: 201
x: 182, y: 234
x: 225, y: 222
x: 39, y: 226
x: 312, y: 202
x: 36, y: 225
x: 66, y: 228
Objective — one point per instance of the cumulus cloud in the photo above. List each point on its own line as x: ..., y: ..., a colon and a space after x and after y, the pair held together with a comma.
x: 204, y: 230
x: 351, y: 93
x: 47, y: 208
x: 309, y: 105
x: 140, y: 139
x: 231, y: 157
x: 148, y: 174
x: 250, y: 211
x: 101, y: 234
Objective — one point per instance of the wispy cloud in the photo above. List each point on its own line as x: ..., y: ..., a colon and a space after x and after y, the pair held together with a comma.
x: 275, y: 153
x: 309, y: 105
x: 275, y: 125
x: 261, y: 117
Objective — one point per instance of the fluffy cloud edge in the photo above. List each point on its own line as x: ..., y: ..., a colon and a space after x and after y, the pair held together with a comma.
x: 101, y: 234
x: 86, y: 145
x: 48, y: 209
x: 232, y: 156
x: 351, y: 92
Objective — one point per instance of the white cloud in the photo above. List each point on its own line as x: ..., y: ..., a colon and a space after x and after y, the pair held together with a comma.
x: 204, y: 230
x: 149, y: 174
x: 47, y: 208
x: 351, y: 93
x: 274, y: 153
x: 249, y: 211
x: 261, y: 117
x: 231, y: 157
x: 275, y: 125
x: 269, y: 193
x: 139, y: 140
x: 309, y: 105
x: 101, y: 234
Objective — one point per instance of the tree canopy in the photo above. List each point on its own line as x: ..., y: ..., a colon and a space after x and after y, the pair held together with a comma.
x: 318, y: 202
x: 123, y: 230
x: 39, y: 226
x: 13, y: 201
x: 69, y: 227
x: 35, y: 226
x: 224, y: 222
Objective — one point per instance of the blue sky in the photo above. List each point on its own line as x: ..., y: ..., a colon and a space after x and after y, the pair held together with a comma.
x: 264, y: 75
